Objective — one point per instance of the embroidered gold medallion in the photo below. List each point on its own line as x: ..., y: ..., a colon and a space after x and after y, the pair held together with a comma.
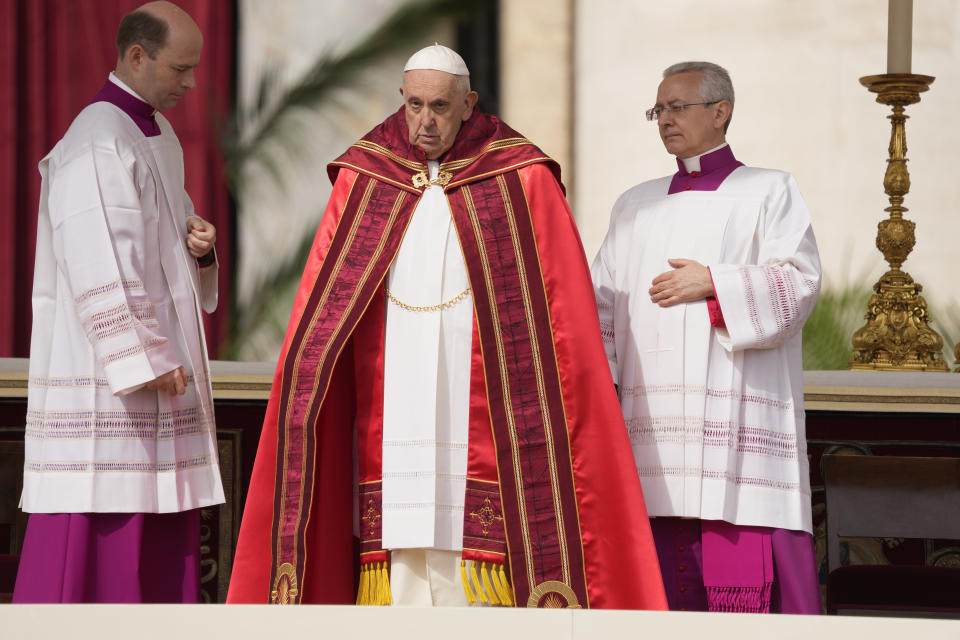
x: 370, y: 517
x: 553, y: 594
x: 285, y: 586
x: 486, y: 516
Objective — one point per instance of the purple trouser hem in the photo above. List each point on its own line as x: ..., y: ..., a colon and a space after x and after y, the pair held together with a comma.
x: 680, y: 550
x: 110, y: 557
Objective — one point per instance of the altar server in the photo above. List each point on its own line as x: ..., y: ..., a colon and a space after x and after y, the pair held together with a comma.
x: 703, y: 284
x: 120, y: 441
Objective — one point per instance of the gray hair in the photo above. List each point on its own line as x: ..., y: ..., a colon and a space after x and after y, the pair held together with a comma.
x: 714, y: 87
x: 463, y: 82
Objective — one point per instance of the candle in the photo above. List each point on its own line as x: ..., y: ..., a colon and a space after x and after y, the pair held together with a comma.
x: 899, y: 35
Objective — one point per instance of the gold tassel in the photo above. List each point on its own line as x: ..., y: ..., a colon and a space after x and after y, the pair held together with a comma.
x: 495, y: 579
x: 386, y: 597
x: 363, y: 591
x: 472, y: 599
x: 497, y: 585
x: 376, y: 583
x: 487, y: 586
x: 507, y: 594
x: 476, y: 583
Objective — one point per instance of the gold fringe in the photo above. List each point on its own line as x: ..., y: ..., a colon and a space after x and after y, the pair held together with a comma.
x: 476, y: 583
x: 385, y: 593
x: 506, y: 593
x: 472, y: 599
x: 374, y: 587
x: 487, y: 586
x: 498, y: 585
x: 495, y: 579
x: 363, y: 593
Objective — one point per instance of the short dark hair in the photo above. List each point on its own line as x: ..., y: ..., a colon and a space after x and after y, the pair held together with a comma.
x: 144, y: 29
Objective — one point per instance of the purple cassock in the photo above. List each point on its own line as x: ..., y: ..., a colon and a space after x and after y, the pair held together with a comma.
x: 711, y: 565
x: 112, y: 557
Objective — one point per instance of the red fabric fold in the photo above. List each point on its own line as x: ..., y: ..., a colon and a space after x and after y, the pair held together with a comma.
x: 713, y: 307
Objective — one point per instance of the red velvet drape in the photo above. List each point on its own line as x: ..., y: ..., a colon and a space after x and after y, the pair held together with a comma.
x: 54, y: 57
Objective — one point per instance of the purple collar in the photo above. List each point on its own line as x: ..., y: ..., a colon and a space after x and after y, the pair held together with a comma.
x: 714, y: 169
x: 139, y: 111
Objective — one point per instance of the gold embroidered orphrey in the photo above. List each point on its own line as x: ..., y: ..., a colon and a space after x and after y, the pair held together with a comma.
x: 553, y: 594
x: 285, y: 586
x: 370, y: 516
x: 486, y: 515
x: 421, y: 180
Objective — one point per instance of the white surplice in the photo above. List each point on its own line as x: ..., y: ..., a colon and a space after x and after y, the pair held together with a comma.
x: 715, y: 416
x: 117, y: 302
x: 426, y: 383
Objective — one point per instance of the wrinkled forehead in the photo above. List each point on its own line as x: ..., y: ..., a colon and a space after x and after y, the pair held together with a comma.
x: 680, y: 87
x: 428, y: 84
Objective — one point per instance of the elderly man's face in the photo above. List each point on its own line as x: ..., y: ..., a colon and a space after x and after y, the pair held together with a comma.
x: 694, y: 130
x: 435, y: 105
x: 163, y: 81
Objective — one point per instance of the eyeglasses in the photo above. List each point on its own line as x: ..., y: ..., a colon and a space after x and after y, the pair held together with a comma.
x: 677, y: 109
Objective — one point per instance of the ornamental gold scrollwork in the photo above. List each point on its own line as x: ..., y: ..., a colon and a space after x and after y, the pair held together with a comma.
x: 421, y: 180
x: 553, y: 594
x: 285, y: 586
x: 897, y: 334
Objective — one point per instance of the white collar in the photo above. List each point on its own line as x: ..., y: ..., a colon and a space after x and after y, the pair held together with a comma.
x: 120, y: 83
x: 693, y: 164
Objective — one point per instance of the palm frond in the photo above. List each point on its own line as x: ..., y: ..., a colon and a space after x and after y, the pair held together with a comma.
x: 274, y: 292
x: 829, y: 329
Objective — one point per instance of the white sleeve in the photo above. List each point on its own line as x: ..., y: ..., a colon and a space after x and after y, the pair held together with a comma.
x: 99, y: 239
x: 766, y: 304
x: 603, y: 272
x: 207, y: 276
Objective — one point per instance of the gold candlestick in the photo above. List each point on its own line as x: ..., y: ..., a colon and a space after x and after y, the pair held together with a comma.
x: 897, y: 334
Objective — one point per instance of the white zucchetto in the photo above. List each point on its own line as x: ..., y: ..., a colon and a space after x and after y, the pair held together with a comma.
x: 438, y: 58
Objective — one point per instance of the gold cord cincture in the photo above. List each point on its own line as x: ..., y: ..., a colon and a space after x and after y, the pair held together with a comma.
x: 436, y: 307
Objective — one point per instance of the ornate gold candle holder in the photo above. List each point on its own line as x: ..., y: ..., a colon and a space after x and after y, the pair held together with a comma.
x: 897, y: 334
